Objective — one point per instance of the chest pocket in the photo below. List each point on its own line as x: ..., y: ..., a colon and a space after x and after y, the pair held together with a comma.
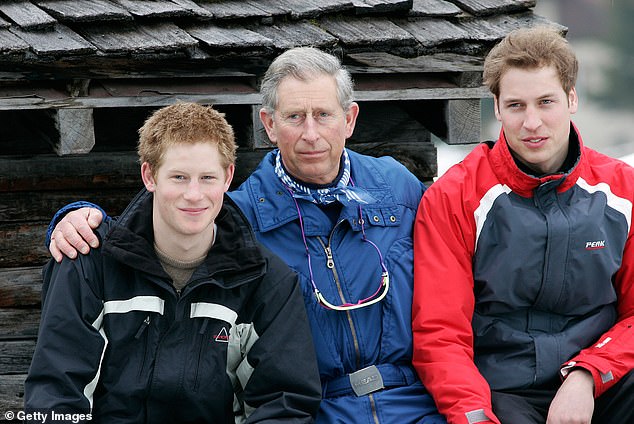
x: 386, y: 216
x: 214, y: 325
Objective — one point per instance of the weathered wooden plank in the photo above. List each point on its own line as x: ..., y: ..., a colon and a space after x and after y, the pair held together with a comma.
x: 495, y: 28
x: 309, y: 9
x: 55, y: 41
x: 197, y: 10
x: 11, y: 43
x: 76, y: 131
x: 490, y: 7
x: 236, y: 9
x: 20, y: 287
x: 430, y: 32
x: 271, y: 7
x: 40, y: 100
x: 3, y: 23
x: 437, y: 8
x: 22, y: 245
x: 11, y: 393
x: 286, y: 35
x: 18, y: 323
x: 26, y: 14
x: 49, y: 172
x: 228, y: 37
x: 366, y: 31
x: 68, y: 11
x: 154, y: 8
x: 382, y: 62
x: 15, y: 356
x: 40, y: 206
x: 134, y: 38
x: 381, y: 6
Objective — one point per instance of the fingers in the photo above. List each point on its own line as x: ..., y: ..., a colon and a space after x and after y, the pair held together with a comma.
x: 94, y: 219
x: 55, y: 252
x: 74, y: 233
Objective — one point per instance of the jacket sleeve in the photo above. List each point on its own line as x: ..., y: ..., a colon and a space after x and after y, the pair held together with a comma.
x: 443, y: 306
x: 612, y: 356
x: 284, y: 382
x: 65, y: 366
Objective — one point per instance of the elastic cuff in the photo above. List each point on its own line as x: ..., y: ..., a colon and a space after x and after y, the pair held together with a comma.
x: 69, y: 208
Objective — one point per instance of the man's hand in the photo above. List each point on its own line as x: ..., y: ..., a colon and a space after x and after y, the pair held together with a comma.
x: 574, y: 401
x: 75, y: 233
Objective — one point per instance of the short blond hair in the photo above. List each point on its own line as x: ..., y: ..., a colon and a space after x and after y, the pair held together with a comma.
x: 185, y: 122
x: 531, y: 48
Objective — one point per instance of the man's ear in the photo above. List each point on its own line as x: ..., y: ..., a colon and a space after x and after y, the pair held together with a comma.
x: 229, y: 175
x: 351, y: 119
x: 147, y: 177
x: 269, y: 124
x: 496, y: 108
x: 573, y: 100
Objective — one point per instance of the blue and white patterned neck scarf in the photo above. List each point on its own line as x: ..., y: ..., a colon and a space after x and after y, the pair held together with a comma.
x: 341, y: 191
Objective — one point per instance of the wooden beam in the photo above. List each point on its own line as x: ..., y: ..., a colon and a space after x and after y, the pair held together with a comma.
x: 463, y: 122
x: 76, y: 131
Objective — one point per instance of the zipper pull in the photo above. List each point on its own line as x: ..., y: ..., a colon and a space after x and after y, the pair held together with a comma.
x: 330, y: 263
x: 144, y: 325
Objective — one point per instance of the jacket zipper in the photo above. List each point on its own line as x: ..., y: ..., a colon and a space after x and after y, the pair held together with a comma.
x: 201, y: 348
x: 330, y: 263
x: 142, y: 329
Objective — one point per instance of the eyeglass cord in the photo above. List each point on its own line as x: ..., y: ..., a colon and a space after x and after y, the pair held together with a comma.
x: 384, y: 284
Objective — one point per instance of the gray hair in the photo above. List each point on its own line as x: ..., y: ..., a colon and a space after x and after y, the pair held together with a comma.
x: 304, y: 63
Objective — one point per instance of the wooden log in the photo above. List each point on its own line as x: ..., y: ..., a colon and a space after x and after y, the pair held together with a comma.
x: 11, y: 393
x: 20, y: 287
x: 23, y: 245
x: 19, y: 324
x: 94, y: 171
x: 28, y: 206
x: 15, y: 356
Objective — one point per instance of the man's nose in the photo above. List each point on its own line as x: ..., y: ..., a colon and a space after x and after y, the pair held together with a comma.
x: 310, y: 128
x: 532, y: 119
x: 193, y: 191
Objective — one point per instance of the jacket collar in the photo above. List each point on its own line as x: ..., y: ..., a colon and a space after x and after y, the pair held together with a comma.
x: 507, y: 171
x: 234, y: 258
x: 274, y: 207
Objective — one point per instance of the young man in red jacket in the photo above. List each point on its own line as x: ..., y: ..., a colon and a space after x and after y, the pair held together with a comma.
x: 524, y: 259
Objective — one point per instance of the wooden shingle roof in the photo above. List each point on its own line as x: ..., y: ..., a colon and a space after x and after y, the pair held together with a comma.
x: 84, y: 38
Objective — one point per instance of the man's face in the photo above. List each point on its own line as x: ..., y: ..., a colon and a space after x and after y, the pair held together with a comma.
x: 310, y: 128
x: 188, y: 189
x: 535, y: 114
